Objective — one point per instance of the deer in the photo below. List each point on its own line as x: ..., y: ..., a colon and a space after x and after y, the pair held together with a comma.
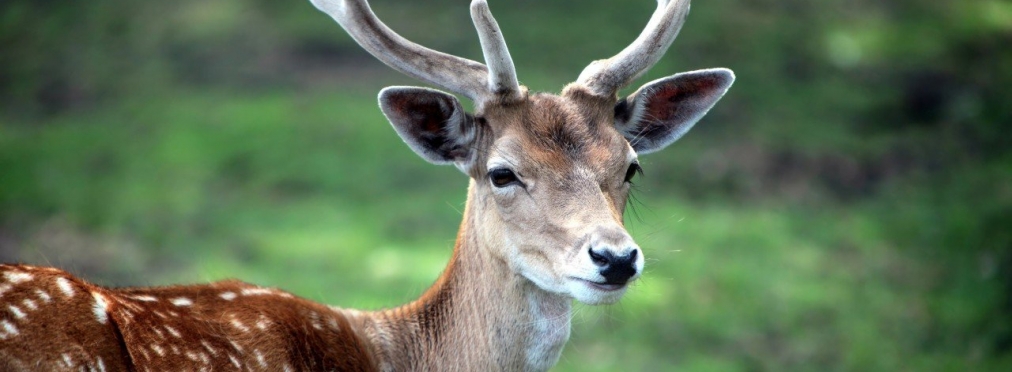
x: 549, y: 178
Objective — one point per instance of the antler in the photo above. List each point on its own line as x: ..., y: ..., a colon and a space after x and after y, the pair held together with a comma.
x: 502, y: 77
x: 605, y: 77
x: 456, y: 74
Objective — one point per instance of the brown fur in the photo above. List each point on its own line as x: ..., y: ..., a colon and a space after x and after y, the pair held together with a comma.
x: 66, y: 324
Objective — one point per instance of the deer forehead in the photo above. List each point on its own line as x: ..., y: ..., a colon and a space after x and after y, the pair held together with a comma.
x: 553, y: 135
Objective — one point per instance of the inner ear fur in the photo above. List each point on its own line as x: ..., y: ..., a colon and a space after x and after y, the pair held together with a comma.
x: 431, y: 122
x: 663, y: 110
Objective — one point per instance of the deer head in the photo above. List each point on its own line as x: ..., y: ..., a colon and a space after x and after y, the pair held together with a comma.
x: 550, y: 174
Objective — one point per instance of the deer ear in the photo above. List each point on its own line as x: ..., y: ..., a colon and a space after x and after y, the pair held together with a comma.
x: 431, y: 122
x: 664, y: 109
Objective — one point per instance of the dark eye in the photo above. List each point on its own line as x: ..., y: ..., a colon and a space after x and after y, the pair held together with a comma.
x: 502, y: 177
x: 633, y: 169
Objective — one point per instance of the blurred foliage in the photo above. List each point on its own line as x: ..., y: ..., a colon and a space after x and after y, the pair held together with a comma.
x: 848, y: 205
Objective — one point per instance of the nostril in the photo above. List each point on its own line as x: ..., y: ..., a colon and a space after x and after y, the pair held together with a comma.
x: 624, y: 260
x: 600, y: 259
x: 619, y: 269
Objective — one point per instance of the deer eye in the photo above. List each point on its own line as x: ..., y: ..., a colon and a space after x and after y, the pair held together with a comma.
x: 502, y: 177
x: 633, y: 169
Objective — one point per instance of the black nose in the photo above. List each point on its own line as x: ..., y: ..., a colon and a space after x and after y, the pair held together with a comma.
x: 615, y: 269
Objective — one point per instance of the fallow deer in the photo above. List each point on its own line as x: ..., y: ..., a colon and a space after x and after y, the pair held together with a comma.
x: 543, y: 225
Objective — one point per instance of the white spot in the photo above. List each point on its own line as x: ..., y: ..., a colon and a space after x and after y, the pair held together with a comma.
x: 159, y: 333
x: 5, y: 288
x: 66, y: 359
x: 101, y: 365
x: 145, y: 353
x: 191, y: 355
x: 263, y: 322
x: 144, y: 298
x: 100, y: 308
x: 173, y: 313
x: 175, y: 349
x: 30, y: 304
x: 208, y: 347
x: 9, y: 329
x: 43, y: 295
x: 158, y: 349
x: 235, y: 361
x: 17, y: 311
x: 260, y: 358
x: 315, y: 320
x: 236, y: 346
x: 227, y: 296
x: 132, y: 306
x: 256, y: 291
x: 17, y: 277
x: 160, y: 314
x: 181, y: 301
x: 173, y: 331
x: 288, y: 368
x: 204, y: 358
x: 238, y: 325
x: 65, y: 287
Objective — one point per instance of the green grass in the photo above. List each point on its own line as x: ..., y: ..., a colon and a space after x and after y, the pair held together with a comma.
x: 314, y: 193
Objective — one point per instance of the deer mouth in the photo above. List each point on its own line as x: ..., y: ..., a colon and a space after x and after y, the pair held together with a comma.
x: 604, y: 287
x: 593, y: 292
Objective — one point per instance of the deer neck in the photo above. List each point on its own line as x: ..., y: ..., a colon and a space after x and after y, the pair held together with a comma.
x: 479, y: 315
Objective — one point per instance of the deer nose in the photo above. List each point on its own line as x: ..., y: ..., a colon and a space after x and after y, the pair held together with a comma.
x: 615, y: 269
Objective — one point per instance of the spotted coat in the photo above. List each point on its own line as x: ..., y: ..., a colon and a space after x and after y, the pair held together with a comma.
x: 53, y: 321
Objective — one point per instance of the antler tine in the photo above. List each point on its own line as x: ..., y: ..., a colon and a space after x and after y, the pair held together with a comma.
x: 605, y: 77
x: 502, y: 76
x: 458, y: 75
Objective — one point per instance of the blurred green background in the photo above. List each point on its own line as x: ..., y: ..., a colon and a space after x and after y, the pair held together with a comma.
x: 846, y: 207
